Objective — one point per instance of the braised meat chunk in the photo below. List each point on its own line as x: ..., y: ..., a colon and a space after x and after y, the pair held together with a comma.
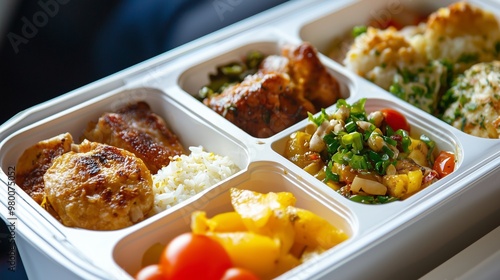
x: 310, y: 76
x: 137, y: 129
x: 262, y: 105
x: 100, y: 187
x: 35, y: 160
x: 280, y: 93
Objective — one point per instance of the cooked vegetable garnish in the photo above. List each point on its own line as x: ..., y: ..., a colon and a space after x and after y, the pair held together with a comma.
x: 368, y: 158
x: 265, y: 236
x: 231, y: 73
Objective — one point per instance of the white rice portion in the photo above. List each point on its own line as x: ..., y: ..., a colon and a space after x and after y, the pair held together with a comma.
x: 188, y: 175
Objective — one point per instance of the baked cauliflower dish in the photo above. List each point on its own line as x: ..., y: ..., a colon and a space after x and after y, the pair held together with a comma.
x: 473, y: 102
x: 423, y: 63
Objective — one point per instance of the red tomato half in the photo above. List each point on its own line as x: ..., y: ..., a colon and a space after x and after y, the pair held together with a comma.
x: 444, y: 163
x: 194, y: 256
x: 151, y: 272
x: 395, y: 119
x: 236, y: 273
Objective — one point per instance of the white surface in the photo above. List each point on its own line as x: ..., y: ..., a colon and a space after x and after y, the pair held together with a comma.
x: 481, y: 260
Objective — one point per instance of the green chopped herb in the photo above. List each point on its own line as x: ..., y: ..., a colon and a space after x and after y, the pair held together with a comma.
x: 365, y: 199
x: 405, y: 141
x: 468, y: 58
x: 388, y: 151
x: 253, y: 59
x: 386, y: 199
x: 430, y: 144
x: 358, y: 108
x: 358, y: 162
x: 481, y: 122
x: 330, y: 175
x: 471, y: 106
x: 351, y: 126
x: 397, y: 90
x: 332, y: 143
x: 205, y: 92
x: 358, y: 30
x: 368, y: 199
x: 319, y: 119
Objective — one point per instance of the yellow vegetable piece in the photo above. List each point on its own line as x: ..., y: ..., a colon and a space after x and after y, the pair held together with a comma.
x: 255, y: 252
x: 414, y: 181
x: 283, y: 264
x: 314, y: 167
x: 258, y: 207
x: 418, y: 152
x: 297, y: 148
x: 224, y: 222
x: 265, y: 214
x: 228, y: 222
x: 397, y: 185
x: 313, y: 231
x: 266, y: 233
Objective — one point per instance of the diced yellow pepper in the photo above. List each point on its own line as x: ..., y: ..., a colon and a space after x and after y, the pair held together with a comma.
x: 418, y: 152
x: 313, y: 231
x: 397, y: 185
x: 265, y: 214
x: 224, y: 222
x: 283, y: 264
x: 297, y: 148
x: 258, y: 207
x: 414, y: 181
x: 255, y: 252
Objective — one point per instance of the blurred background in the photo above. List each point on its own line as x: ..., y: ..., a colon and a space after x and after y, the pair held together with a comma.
x: 50, y: 47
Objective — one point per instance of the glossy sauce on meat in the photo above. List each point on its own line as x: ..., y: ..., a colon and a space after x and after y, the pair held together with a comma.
x: 137, y: 129
x: 100, y: 187
x: 36, y: 160
x: 280, y: 94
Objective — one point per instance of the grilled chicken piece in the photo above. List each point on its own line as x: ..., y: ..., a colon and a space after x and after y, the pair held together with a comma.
x: 280, y: 94
x: 36, y: 160
x: 137, y: 129
x: 262, y: 105
x: 99, y: 187
x: 310, y: 76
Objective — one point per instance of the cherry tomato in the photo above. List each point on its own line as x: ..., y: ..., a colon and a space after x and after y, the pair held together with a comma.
x: 194, y: 256
x: 236, y: 273
x: 151, y: 272
x: 444, y: 163
x: 395, y: 119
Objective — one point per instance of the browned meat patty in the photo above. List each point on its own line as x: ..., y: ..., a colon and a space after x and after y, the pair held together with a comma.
x: 35, y: 160
x: 99, y: 187
x: 137, y: 129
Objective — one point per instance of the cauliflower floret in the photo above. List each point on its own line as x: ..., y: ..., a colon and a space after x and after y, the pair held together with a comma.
x: 387, y: 58
x: 473, y: 103
x: 462, y: 34
x: 422, y: 88
x: 378, y: 55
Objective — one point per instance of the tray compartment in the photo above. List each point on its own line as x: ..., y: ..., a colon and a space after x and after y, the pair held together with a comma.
x: 322, y: 31
x: 261, y: 177
x: 440, y: 133
x: 192, y: 79
x: 185, y: 125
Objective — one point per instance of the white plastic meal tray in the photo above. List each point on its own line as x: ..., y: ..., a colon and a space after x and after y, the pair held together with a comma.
x: 405, y: 238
